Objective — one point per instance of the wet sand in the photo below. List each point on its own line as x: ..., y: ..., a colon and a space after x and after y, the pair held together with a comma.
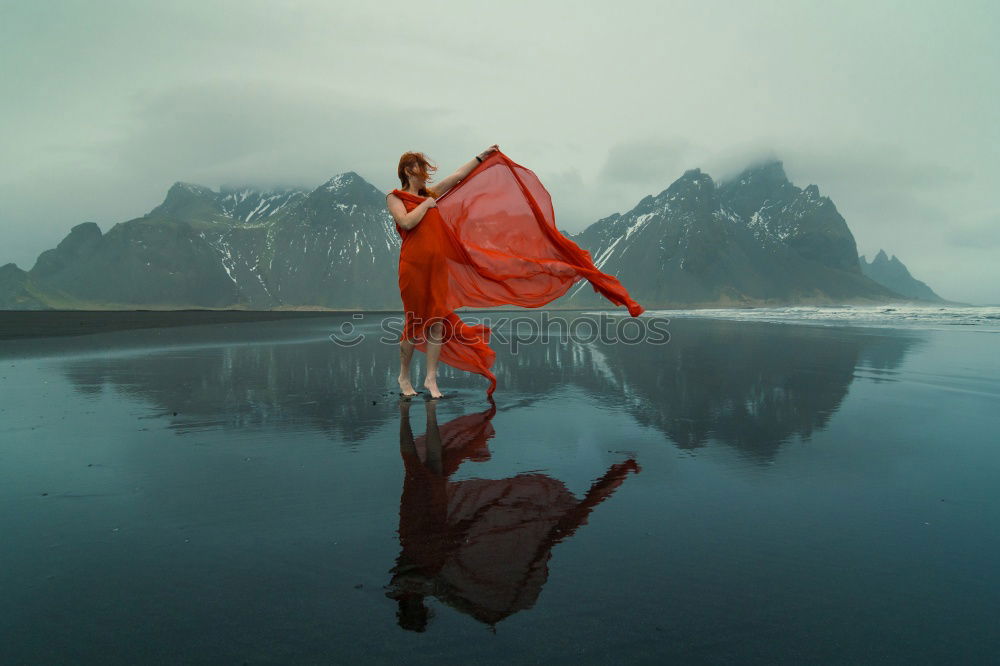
x: 48, y: 323
x: 251, y: 492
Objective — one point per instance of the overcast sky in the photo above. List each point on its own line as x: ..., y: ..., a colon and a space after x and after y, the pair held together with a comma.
x: 891, y: 108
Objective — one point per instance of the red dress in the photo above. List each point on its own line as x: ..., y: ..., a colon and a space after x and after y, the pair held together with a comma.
x: 491, y: 240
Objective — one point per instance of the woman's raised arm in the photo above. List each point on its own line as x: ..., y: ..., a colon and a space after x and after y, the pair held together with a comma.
x: 462, y: 171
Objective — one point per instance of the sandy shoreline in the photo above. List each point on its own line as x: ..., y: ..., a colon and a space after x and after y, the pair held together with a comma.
x: 19, y: 324
x: 16, y: 324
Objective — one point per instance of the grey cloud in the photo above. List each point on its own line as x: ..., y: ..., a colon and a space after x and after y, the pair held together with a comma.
x: 573, y: 199
x: 266, y: 132
x: 646, y: 162
x: 985, y: 236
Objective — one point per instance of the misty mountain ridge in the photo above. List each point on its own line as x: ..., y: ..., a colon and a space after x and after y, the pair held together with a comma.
x: 754, y: 239
x: 893, y: 274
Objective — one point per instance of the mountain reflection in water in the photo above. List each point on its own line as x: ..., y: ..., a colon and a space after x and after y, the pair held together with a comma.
x: 749, y: 386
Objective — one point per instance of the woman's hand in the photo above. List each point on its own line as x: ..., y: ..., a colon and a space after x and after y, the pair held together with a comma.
x: 489, y: 150
x: 431, y: 202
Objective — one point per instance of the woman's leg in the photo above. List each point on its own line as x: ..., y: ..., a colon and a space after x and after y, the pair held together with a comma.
x: 434, y: 337
x: 405, y: 355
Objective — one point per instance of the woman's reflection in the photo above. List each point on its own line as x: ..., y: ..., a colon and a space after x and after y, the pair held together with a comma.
x: 480, y: 545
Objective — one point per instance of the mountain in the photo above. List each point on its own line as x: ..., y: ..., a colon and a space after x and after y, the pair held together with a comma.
x: 333, y: 247
x: 16, y: 292
x: 894, y: 275
x: 756, y: 239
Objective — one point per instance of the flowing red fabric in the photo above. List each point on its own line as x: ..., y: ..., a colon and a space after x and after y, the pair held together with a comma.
x: 492, y: 240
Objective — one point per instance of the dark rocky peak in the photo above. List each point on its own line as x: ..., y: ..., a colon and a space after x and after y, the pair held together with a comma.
x: 690, y: 178
x: 14, y: 292
x: 692, y: 182
x: 346, y: 184
x: 765, y: 174
x: 78, y: 243
x: 695, y: 177
x: 184, y: 191
x: 647, y: 202
x: 894, y: 274
x: 882, y: 262
x: 11, y: 270
x: 882, y: 259
x: 694, y: 190
x: 342, y: 180
x: 345, y: 189
x: 188, y: 201
x: 82, y: 234
x: 764, y: 182
x: 770, y: 171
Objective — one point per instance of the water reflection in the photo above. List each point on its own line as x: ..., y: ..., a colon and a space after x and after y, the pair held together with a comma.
x: 481, y: 546
x: 753, y: 387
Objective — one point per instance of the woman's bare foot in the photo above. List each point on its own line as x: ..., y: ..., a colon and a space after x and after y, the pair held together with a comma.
x: 405, y: 387
x: 431, y: 384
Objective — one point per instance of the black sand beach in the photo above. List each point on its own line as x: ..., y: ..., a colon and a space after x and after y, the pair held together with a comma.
x: 247, y: 491
x: 48, y: 323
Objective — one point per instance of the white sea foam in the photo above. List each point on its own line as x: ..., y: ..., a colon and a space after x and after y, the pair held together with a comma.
x: 926, y: 317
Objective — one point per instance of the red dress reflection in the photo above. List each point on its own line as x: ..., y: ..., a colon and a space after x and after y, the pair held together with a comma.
x: 481, y: 546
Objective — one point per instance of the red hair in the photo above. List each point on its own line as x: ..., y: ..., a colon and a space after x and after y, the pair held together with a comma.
x: 423, y: 166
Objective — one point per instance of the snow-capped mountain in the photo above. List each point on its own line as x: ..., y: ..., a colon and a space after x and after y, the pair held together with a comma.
x: 755, y: 239
x: 335, y: 246
x: 231, y: 205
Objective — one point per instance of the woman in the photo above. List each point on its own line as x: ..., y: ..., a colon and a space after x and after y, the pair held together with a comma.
x: 484, y: 237
x: 422, y: 271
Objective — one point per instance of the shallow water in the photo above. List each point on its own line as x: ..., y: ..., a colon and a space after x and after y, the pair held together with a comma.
x: 746, y: 493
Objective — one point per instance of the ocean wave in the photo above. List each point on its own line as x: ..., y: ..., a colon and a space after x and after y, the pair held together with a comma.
x: 929, y: 317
